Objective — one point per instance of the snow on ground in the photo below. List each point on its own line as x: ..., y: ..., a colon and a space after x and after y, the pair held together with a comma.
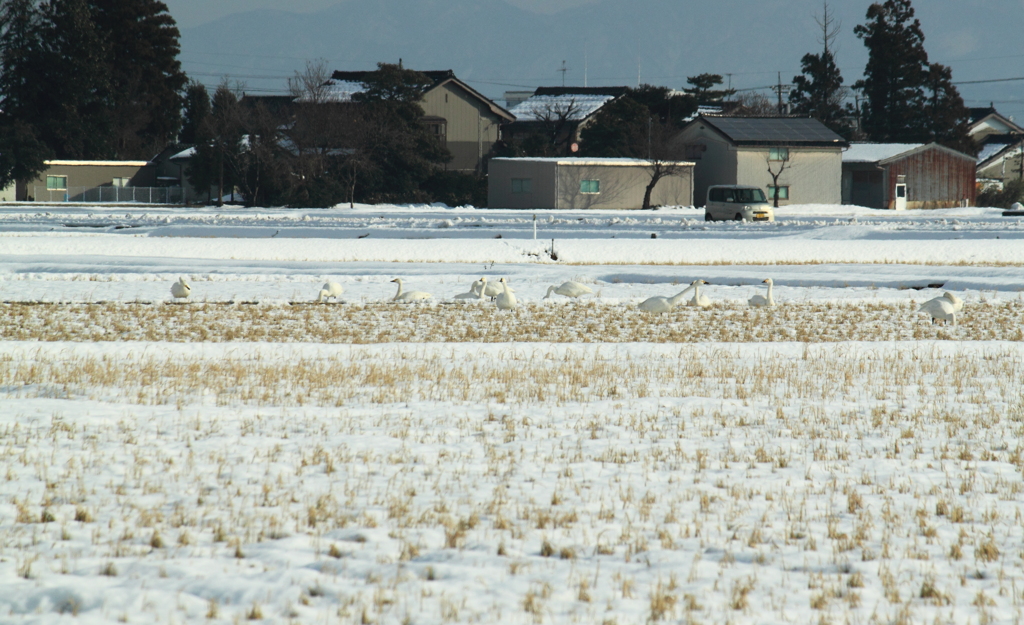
x: 444, y: 483
x: 233, y: 474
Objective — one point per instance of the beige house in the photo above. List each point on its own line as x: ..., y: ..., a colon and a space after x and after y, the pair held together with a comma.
x: 744, y: 150
x: 464, y: 120
x: 584, y: 183
x: 95, y: 181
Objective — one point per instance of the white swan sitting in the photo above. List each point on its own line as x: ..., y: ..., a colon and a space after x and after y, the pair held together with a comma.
x: 506, y: 300
x: 659, y: 304
x: 476, y: 290
x: 181, y: 289
x: 761, y: 300
x: 329, y: 290
x: 698, y: 299
x: 939, y: 308
x: 408, y: 296
x: 569, y: 289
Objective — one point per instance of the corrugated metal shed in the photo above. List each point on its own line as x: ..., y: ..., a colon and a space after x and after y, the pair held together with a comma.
x: 936, y: 176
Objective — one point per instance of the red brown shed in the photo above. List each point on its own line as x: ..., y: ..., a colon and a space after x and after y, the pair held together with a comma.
x: 936, y: 176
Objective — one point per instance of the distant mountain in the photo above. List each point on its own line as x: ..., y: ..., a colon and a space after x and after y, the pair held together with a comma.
x: 609, y: 41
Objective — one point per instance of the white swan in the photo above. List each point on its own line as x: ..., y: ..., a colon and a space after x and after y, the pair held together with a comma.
x: 761, y: 300
x: 506, y: 300
x: 698, y: 299
x: 494, y: 289
x: 181, y: 289
x: 329, y: 290
x: 476, y: 290
x: 939, y: 308
x: 408, y: 296
x: 958, y: 304
x: 569, y: 289
x: 659, y: 304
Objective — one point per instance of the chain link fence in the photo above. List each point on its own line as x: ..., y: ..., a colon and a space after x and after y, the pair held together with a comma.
x: 111, y: 195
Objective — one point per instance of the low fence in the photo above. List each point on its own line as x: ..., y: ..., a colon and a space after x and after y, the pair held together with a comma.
x: 110, y: 195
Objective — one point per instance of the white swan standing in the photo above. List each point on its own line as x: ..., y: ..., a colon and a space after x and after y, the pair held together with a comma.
x: 659, y: 304
x: 569, y: 289
x: 698, y: 299
x: 506, y: 299
x: 940, y: 308
x: 408, y: 296
x: 958, y: 304
x: 761, y: 300
x: 329, y: 290
x: 476, y: 290
x: 493, y: 289
x: 181, y: 289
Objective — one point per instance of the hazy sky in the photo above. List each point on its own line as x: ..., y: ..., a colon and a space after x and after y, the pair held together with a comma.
x: 194, y: 12
x: 961, y: 34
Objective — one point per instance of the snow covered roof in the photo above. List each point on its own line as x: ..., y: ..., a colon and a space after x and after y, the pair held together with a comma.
x: 98, y: 163
x: 991, y: 149
x: 580, y: 162
x: 579, y: 105
x: 189, y: 153
x: 874, y: 152
x: 339, y: 91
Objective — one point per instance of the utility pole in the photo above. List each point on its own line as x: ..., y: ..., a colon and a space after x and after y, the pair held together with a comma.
x: 780, y: 93
x: 564, y: 69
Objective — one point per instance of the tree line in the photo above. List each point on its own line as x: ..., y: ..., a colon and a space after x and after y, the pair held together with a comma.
x: 100, y: 79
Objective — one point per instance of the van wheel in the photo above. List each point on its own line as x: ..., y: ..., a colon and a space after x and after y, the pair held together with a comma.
x: 738, y: 217
x: 708, y: 217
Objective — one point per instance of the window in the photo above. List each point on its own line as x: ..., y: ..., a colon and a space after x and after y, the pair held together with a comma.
x: 590, y: 186
x: 694, y: 152
x: 778, y: 154
x: 522, y: 185
x: 120, y: 182
x: 57, y: 182
x: 783, y: 193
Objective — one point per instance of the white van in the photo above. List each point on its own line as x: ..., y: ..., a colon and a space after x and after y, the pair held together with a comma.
x: 737, y: 202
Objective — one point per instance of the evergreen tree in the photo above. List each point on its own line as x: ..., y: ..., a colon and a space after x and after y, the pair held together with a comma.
x: 197, y: 109
x: 22, y: 155
x: 948, y: 116
x: 72, y: 113
x: 701, y: 89
x: 397, y: 148
x: 908, y: 99
x: 819, y: 90
x: 145, y: 77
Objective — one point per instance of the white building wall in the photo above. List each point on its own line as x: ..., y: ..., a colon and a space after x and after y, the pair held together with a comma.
x: 814, y: 176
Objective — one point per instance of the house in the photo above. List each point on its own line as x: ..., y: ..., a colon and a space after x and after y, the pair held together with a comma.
x: 556, y: 115
x: 465, y: 121
x: 9, y: 193
x: 1000, y: 142
x: 584, y: 183
x: 802, y: 152
x: 936, y: 176
x: 98, y: 181
x: 988, y: 121
x: 1001, y: 159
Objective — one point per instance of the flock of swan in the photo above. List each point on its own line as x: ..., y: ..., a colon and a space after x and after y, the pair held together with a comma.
x: 943, y: 308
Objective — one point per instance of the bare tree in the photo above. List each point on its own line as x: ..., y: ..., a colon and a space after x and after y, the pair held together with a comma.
x: 753, y: 104
x: 785, y: 164
x: 559, y: 122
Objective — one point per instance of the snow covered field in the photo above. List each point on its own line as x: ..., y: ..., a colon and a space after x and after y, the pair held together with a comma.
x: 253, y: 456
